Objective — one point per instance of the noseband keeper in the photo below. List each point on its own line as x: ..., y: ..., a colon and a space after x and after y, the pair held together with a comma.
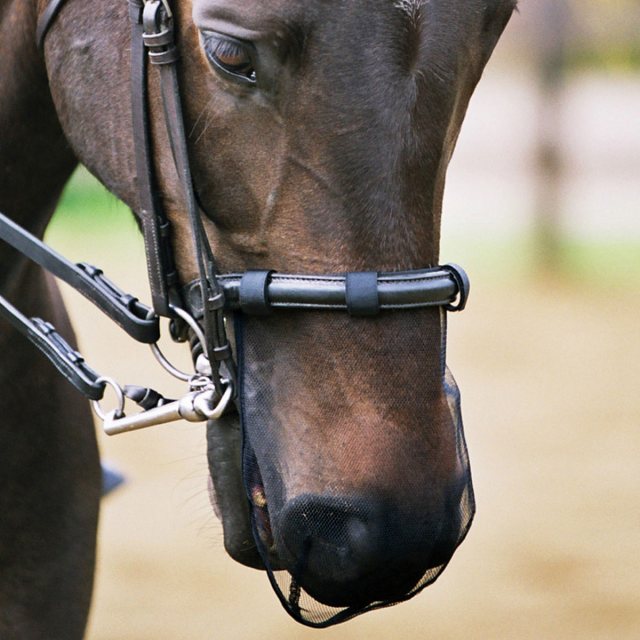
x: 254, y: 293
x: 360, y: 294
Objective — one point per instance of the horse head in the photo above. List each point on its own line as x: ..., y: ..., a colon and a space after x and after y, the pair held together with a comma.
x: 319, y: 137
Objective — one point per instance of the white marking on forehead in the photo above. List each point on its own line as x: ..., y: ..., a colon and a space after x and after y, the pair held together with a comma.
x: 410, y: 7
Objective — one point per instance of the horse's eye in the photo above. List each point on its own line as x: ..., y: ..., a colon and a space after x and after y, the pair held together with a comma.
x: 231, y: 57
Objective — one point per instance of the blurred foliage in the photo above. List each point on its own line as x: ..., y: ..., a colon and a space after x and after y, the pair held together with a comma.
x: 612, y: 266
x: 91, y: 225
x: 601, y: 34
x: 613, y: 58
x: 86, y: 207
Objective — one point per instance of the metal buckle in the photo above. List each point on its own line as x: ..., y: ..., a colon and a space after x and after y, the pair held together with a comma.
x: 201, y: 403
x: 153, y: 6
x: 196, y: 406
x: 157, y: 23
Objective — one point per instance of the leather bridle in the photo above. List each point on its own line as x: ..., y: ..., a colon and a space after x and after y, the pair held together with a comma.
x: 200, y: 305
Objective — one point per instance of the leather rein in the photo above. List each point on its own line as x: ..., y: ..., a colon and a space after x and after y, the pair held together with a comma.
x: 197, y: 310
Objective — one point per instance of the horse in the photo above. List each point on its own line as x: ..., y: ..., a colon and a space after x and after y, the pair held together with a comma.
x: 318, y: 134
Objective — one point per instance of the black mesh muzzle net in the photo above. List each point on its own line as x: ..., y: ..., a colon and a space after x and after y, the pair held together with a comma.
x: 349, y: 515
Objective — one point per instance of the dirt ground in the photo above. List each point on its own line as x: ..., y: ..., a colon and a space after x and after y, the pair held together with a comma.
x: 549, y: 378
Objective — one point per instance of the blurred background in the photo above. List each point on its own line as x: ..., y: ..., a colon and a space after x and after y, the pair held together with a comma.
x: 543, y: 210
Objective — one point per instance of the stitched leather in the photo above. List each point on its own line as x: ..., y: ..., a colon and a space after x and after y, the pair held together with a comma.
x: 65, y: 359
x: 255, y: 292
x: 399, y: 290
x: 155, y: 226
x: 125, y: 310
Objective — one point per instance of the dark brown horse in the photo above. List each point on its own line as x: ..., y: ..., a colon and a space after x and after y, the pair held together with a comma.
x: 319, y: 137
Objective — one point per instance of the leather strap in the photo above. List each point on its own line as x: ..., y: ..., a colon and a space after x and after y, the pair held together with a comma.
x: 124, y: 309
x: 361, y: 293
x: 46, y: 20
x: 464, y: 286
x: 65, y: 359
x: 155, y: 226
x: 159, y: 38
x: 438, y: 286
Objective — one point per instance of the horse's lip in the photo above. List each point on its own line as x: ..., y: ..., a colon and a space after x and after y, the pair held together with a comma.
x: 262, y: 525
x: 212, y: 498
x: 261, y: 516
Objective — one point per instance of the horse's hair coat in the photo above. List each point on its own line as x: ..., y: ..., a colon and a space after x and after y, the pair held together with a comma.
x: 411, y: 7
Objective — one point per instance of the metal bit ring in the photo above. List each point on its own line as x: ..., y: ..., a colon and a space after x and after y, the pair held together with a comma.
x: 163, y: 360
x: 193, y: 325
x: 119, y: 410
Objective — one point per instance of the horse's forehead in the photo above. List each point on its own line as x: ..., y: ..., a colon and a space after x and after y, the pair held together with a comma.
x: 252, y: 13
x: 441, y: 29
x: 411, y: 8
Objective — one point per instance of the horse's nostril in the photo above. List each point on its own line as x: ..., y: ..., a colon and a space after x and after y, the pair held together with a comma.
x: 328, y: 537
x: 347, y: 551
x: 362, y: 539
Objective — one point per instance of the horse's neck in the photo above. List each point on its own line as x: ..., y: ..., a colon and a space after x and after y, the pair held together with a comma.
x: 35, y: 159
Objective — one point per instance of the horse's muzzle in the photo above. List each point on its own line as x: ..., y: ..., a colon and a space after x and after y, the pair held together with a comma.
x: 354, y: 461
x: 354, y: 551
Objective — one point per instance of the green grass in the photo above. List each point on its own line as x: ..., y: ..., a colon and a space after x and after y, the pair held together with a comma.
x: 87, y: 207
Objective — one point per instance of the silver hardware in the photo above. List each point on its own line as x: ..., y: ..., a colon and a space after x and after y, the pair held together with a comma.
x: 201, y: 403
x: 167, y: 366
x: 162, y: 359
x: 119, y: 410
x: 167, y: 8
x: 191, y: 321
x: 196, y: 406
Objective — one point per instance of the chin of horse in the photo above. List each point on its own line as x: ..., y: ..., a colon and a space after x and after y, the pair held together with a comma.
x: 343, y: 556
x: 343, y: 549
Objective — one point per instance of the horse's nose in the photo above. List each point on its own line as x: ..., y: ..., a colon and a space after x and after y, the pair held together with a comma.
x: 342, y: 552
x: 325, y: 533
